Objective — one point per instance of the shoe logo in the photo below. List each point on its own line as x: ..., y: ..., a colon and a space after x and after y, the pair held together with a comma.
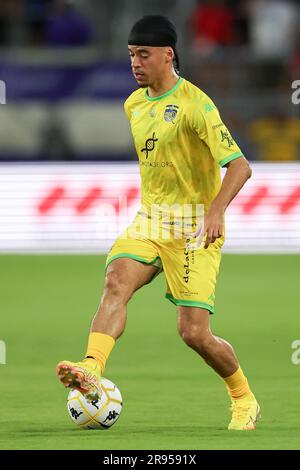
x: 90, y: 378
x: 254, y: 420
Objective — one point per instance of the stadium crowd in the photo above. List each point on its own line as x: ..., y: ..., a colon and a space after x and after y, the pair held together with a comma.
x: 244, y: 53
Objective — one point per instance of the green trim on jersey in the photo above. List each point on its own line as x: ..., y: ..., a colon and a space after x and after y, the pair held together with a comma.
x: 155, y: 98
x: 233, y: 156
x: 190, y: 303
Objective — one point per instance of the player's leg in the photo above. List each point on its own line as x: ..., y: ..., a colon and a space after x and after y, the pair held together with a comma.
x: 194, y: 328
x: 191, y: 276
x: 123, y: 277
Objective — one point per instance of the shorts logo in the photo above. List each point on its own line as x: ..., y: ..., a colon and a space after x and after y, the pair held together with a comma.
x: 150, y: 144
x: 186, y: 265
x: 170, y: 112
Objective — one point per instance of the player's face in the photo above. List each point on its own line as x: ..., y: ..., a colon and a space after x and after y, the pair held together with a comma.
x: 148, y: 63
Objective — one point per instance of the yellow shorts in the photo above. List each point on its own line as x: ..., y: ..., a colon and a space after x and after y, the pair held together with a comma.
x: 190, y: 272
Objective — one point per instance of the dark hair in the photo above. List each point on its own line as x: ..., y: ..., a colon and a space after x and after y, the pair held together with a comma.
x: 176, y: 62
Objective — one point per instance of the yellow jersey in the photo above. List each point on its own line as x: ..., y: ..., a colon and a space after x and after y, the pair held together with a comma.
x: 181, y: 142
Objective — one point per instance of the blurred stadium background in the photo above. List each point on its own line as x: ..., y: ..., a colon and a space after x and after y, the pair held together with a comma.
x: 66, y: 69
x: 69, y: 183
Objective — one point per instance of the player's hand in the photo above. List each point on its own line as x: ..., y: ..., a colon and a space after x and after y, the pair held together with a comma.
x: 211, y: 229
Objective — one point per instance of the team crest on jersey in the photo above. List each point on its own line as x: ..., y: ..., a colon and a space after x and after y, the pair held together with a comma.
x: 170, y: 112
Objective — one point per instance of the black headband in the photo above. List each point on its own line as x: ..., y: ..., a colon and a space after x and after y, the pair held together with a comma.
x: 153, y: 30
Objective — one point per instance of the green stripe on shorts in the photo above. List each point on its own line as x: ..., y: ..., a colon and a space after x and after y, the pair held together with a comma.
x: 135, y: 257
x: 190, y: 303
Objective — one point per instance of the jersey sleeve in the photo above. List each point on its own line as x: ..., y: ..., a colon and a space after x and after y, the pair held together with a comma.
x: 205, y: 120
x: 126, y: 109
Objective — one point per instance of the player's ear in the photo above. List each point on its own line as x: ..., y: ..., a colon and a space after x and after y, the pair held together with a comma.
x: 169, y: 54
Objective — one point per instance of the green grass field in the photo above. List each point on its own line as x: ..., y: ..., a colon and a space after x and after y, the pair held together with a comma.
x: 172, y: 400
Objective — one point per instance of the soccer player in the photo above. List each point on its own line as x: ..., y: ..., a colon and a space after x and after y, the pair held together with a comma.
x: 181, y: 143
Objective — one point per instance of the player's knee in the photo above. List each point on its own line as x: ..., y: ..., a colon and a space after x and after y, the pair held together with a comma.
x: 115, y: 288
x: 195, y: 337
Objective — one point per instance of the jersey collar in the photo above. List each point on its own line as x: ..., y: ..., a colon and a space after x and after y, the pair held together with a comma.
x: 169, y: 92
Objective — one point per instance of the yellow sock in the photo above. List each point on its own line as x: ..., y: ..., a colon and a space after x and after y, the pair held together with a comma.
x: 237, y: 385
x: 99, y: 348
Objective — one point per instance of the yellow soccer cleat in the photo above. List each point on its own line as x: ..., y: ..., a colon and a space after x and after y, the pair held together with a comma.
x: 82, y: 376
x: 245, y: 413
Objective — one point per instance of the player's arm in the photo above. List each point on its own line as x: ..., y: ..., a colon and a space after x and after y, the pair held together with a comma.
x: 205, y: 120
x: 237, y: 173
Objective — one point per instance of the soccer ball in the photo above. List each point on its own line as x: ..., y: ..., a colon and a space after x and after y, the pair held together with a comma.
x: 101, y: 413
